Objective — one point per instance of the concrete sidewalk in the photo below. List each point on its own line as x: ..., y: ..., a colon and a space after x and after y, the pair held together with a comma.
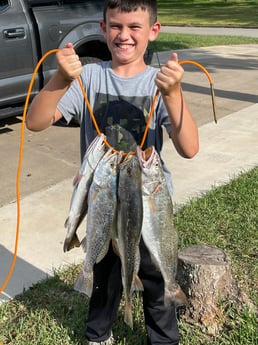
x: 226, y: 149
x: 201, y: 30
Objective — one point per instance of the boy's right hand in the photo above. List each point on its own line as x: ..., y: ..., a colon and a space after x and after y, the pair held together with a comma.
x: 69, y: 65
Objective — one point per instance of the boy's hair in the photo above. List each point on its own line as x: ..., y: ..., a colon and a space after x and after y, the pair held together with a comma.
x: 132, y: 5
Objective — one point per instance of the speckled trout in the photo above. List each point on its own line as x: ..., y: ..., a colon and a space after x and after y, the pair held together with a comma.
x: 101, y: 218
x: 129, y: 224
x: 158, y: 231
x: 82, y: 181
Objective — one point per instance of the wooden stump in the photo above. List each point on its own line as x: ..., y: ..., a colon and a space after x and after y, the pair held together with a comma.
x: 205, y: 275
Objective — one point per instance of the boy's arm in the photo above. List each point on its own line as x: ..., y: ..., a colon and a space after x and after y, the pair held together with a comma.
x: 43, y: 110
x: 184, y: 132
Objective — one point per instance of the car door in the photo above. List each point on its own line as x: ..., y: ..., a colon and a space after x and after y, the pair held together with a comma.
x: 17, y: 55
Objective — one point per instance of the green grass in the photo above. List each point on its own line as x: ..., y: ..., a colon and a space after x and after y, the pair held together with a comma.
x: 227, y: 217
x: 51, y: 312
x: 236, y: 13
x: 223, y: 13
x: 167, y: 41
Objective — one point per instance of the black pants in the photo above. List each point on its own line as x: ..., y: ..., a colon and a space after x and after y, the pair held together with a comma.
x: 161, y: 322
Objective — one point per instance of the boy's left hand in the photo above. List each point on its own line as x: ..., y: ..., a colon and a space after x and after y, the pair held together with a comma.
x: 169, y: 77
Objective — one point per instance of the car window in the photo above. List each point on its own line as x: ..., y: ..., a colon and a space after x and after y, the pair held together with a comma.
x: 3, y: 4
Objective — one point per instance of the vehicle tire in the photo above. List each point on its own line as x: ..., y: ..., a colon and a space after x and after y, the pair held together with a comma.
x: 89, y: 59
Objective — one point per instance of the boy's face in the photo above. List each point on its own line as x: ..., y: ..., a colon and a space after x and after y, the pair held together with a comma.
x: 127, y: 35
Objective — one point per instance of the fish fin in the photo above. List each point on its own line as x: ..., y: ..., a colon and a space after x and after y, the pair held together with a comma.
x: 128, y: 316
x: 175, y: 295
x: 77, y: 179
x: 94, y: 195
x: 152, y: 205
x: 138, y: 286
x: 157, y: 188
x: 84, y: 283
x: 84, y: 243
x: 69, y: 244
x: 151, y: 199
x: 66, y: 222
x: 115, y: 248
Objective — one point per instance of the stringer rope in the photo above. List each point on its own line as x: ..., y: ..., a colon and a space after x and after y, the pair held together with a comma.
x: 19, y: 168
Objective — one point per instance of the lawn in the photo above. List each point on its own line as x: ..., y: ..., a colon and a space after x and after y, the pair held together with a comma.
x: 225, y: 13
x: 51, y: 312
x: 237, y: 13
x: 167, y: 41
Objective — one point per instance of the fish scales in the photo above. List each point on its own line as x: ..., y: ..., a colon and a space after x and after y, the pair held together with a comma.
x: 129, y: 223
x: 101, y: 219
x: 82, y: 181
x: 158, y: 231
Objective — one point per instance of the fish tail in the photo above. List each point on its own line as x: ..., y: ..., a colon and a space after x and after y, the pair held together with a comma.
x: 84, y: 283
x: 69, y: 244
x: 115, y: 247
x: 138, y: 286
x: 128, y: 316
x: 176, y: 296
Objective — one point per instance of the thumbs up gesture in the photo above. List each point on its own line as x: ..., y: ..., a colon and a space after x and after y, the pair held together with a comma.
x: 168, y: 79
x: 69, y: 64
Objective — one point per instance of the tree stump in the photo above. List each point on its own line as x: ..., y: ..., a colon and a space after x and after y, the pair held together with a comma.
x: 205, y: 275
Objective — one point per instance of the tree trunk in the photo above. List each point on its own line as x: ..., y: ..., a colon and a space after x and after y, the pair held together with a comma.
x: 205, y: 275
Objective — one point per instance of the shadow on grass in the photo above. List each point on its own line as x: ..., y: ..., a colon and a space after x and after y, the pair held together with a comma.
x: 60, y: 309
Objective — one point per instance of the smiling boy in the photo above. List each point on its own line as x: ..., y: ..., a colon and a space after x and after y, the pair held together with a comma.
x: 121, y: 92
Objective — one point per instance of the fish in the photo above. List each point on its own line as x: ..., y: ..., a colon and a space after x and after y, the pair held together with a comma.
x: 129, y: 224
x: 101, y: 218
x: 158, y: 230
x: 79, y: 205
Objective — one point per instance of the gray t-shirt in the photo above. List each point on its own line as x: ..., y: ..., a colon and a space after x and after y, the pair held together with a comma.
x: 121, y: 107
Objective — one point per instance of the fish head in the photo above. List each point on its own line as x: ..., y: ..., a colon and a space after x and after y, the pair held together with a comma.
x: 149, y: 159
x: 151, y: 167
x: 106, y: 170
x: 130, y: 165
x: 96, y: 149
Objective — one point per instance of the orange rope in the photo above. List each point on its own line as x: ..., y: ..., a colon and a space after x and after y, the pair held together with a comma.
x: 211, y: 84
x: 97, y: 127
x: 19, y: 168
x: 18, y: 175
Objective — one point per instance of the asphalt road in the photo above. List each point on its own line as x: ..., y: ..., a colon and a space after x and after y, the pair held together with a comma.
x: 53, y: 155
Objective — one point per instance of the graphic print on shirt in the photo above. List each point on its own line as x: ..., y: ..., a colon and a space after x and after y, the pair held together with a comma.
x: 122, y: 119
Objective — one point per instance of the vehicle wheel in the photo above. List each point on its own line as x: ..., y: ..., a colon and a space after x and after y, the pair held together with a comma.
x: 89, y: 59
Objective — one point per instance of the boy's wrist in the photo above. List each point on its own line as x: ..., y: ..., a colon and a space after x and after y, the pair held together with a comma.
x: 173, y: 92
x: 63, y: 79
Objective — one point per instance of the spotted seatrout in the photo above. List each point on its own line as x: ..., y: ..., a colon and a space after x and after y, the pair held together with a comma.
x: 129, y: 224
x: 82, y: 181
x: 158, y: 231
x: 101, y: 218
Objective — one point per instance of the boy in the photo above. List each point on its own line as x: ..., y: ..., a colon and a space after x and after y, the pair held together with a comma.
x: 121, y: 92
